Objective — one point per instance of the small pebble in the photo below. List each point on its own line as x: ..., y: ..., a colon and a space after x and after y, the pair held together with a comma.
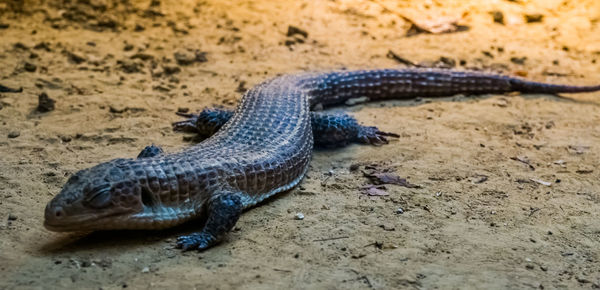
x: 299, y: 216
x: 45, y: 103
x: 531, y: 18
x: 12, y: 217
x: 30, y: 67
x: 498, y: 17
x: 399, y: 211
x: 14, y: 134
x: 145, y: 270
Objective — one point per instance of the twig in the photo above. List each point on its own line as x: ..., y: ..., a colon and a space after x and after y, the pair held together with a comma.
x: 330, y: 239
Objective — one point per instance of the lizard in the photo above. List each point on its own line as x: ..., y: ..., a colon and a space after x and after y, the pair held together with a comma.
x: 255, y: 152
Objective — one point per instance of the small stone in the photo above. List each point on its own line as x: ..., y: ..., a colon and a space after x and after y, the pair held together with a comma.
x: 299, y: 216
x: 532, y: 18
x: 65, y: 139
x: 12, y: 217
x: 292, y: 30
x: 14, y: 134
x: 498, y: 17
x: 582, y: 280
x: 117, y: 109
x: 128, y: 47
x: 529, y: 266
x: 45, y: 103
x: 169, y: 70
x: 145, y: 270
x: 388, y: 227
x: 138, y: 28
x: 289, y: 42
x: 73, y: 58
x: 399, y: 211
x: 129, y: 66
x: 30, y: 67
x: 518, y: 60
x: 183, y: 110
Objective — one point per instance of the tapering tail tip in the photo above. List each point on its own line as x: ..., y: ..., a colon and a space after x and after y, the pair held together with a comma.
x: 525, y: 86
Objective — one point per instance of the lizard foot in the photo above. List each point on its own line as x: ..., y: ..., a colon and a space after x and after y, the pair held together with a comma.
x: 188, y: 125
x: 197, y: 241
x: 373, y: 136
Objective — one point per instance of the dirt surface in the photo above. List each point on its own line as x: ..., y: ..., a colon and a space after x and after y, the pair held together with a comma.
x: 508, y: 192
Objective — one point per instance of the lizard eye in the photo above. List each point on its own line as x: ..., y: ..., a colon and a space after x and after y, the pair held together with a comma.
x: 99, y: 197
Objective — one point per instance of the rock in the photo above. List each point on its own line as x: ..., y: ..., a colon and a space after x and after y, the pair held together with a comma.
x: 30, y: 67
x: 184, y: 57
x: 14, y: 134
x: 169, y: 70
x: 12, y: 217
x: 498, y: 17
x: 533, y: 18
x: 187, y: 57
x: 299, y: 216
x: 142, y: 56
x: 128, y: 66
x: 45, y: 103
x: 292, y: 30
x: 43, y: 45
x: 73, y: 58
x: 241, y: 88
x: 518, y: 60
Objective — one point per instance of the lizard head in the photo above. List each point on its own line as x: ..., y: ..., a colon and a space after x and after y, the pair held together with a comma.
x: 100, y: 197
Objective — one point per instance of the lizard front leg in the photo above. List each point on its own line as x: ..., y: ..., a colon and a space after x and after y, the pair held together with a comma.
x: 223, y: 211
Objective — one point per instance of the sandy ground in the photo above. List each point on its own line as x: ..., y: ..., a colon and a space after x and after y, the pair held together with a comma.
x: 482, y: 216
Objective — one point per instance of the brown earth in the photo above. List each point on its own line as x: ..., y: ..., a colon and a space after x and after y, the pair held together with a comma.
x: 482, y: 217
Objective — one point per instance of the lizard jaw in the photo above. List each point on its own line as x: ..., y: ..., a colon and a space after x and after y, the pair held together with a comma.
x: 155, y: 219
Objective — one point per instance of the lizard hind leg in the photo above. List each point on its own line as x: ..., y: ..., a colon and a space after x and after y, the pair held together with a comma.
x: 224, y: 210
x: 329, y: 130
x: 205, y: 123
x: 338, y: 130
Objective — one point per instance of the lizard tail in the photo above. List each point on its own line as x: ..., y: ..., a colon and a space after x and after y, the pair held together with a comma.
x: 525, y: 86
x: 337, y: 87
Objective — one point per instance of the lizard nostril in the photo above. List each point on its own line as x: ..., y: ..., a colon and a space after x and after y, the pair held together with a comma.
x: 58, y: 212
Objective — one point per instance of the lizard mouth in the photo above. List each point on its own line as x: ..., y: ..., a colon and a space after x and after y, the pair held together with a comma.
x: 80, y: 223
x: 145, y: 220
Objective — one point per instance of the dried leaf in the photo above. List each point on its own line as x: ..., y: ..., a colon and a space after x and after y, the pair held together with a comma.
x: 389, y: 178
x: 435, y: 26
x: 374, y: 191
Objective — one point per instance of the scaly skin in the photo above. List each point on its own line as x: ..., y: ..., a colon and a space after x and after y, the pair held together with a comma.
x: 329, y: 130
x: 263, y: 149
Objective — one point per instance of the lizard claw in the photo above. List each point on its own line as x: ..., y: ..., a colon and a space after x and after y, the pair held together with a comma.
x: 188, y: 125
x: 373, y: 136
x: 198, y: 241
